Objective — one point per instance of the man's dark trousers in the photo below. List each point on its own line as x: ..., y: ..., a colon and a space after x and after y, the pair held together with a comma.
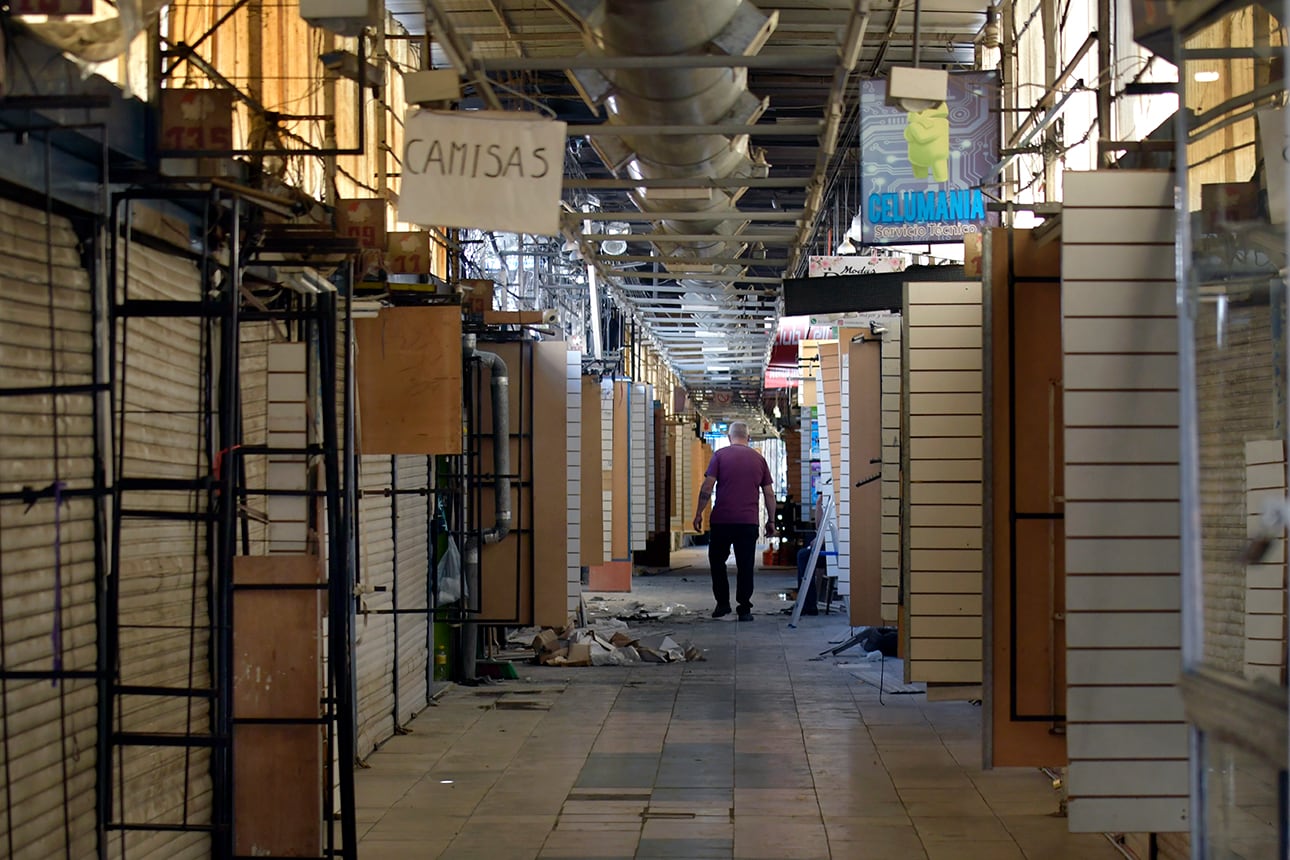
x: 743, y: 536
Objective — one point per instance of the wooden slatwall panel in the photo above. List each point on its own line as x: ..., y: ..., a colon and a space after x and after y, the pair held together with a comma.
x: 609, y: 413
x: 943, y: 481
x: 1125, y: 732
x: 573, y: 452
x: 826, y: 441
x: 831, y: 390
x: 891, y: 441
x: 163, y: 571
x: 374, y: 655
x: 41, y: 746
x: 1265, y: 584
x: 413, y: 578
x: 681, y: 491
x: 808, y: 425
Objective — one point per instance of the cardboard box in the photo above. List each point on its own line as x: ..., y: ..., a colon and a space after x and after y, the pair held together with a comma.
x: 546, y: 641
x: 580, y: 654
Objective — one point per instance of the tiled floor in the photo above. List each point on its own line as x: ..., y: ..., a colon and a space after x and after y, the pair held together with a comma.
x: 761, y: 751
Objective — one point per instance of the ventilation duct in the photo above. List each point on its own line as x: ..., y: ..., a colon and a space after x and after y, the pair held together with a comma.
x: 668, y: 96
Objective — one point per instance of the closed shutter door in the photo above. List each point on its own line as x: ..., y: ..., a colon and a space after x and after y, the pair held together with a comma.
x: 374, y: 631
x: 253, y: 368
x: 413, y: 579
x: 164, y: 626
x: 48, y: 759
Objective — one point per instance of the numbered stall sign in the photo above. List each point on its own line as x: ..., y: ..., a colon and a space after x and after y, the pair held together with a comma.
x: 362, y: 219
x: 194, y: 120
x: 408, y: 254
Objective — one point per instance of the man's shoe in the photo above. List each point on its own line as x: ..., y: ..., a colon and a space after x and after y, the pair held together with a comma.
x: 745, y: 616
x: 720, y: 611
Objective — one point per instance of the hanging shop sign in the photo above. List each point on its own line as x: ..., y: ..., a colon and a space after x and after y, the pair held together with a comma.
x: 490, y: 170
x: 862, y: 264
x: 922, y: 171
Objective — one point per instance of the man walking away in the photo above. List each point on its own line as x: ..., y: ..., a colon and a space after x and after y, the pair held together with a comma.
x: 738, y: 472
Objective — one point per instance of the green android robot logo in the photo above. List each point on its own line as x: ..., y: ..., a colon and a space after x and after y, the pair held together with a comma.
x: 928, y: 135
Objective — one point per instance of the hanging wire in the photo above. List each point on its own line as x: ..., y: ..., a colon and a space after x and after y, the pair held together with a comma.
x: 56, y: 633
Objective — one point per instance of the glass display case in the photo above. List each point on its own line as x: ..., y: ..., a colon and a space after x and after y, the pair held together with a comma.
x: 1233, y: 396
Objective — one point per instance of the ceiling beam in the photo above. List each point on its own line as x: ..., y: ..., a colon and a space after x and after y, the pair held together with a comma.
x: 700, y: 238
x: 720, y: 277
x: 761, y: 129
x: 693, y: 261
x: 799, y: 182
x: 684, y: 215
x: 789, y: 60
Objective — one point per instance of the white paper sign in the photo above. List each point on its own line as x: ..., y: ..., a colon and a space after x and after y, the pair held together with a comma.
x: 492, y: 170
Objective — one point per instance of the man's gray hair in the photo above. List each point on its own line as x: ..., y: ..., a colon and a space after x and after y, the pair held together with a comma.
x: 738, y: 430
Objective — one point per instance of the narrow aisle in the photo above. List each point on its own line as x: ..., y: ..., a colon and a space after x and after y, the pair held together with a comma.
x: 759, y: 751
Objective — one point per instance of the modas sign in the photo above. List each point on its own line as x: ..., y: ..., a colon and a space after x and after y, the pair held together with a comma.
x: 486, y: 169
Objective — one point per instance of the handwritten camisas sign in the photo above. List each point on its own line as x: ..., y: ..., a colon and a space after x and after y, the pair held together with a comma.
x: 487, y: 169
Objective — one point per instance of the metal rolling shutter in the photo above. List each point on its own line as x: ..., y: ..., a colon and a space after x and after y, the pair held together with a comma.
x: 375, y: 632
x: 413, y: 579
x: 254, y: 370
x: 50, y: 730
x: 164, y: 632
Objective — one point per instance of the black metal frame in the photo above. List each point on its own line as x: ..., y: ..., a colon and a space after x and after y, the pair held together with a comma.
x: 318, y: 324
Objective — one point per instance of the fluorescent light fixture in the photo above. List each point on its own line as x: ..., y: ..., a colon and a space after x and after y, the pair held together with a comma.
x: 709, y: 334
x: 699, y: 309
x: 719, y: 368
x: 1207, y: 76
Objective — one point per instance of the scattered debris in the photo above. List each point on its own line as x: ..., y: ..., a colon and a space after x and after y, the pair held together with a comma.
x: 608, y: 642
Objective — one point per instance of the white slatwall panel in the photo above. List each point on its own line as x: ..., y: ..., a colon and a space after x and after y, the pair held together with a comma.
x: 253, y: 379
x: 32, y: 764
x: 651, y: 459
x: 680, y: 478
x: 1122, y: 550
x: 163, y: 566
x: 891, y: 441
x: 843, y: 567
x: 636, y: 415
x: 808, y: 424
x: 607, y: 463
x: 826, y: 462
x: 287, y: 393
x: 573, y: 453
x: 413, y: 578
x: 1265, y: 582
x: 943, y: 432
x: 375, y: 633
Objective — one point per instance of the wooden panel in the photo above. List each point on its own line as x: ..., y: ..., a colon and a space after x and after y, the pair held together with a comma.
x: 593, y: 545
x: 278, y: 794
x: 1110, y: 225
x: 549, y: 468
x: 1123, y: 630
x: 276, y: 639
x: 864, y: 373
x: 945, y: 404
x: 892, y: 433
x: 408, y: 373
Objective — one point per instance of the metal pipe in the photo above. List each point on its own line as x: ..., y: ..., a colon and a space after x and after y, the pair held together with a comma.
x: 499, y: 384
x: 796, y: 61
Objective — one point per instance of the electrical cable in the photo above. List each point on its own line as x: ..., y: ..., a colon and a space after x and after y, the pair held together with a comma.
x: 56, y: 631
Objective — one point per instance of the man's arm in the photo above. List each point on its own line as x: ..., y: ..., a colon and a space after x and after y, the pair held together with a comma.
x: 705, y: 496
x: 768, y: 493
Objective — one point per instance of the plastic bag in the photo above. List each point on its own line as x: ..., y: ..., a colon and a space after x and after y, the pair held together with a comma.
x: 448, y: 580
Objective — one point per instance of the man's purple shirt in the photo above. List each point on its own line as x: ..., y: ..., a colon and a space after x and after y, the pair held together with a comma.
x: 741, y: 472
